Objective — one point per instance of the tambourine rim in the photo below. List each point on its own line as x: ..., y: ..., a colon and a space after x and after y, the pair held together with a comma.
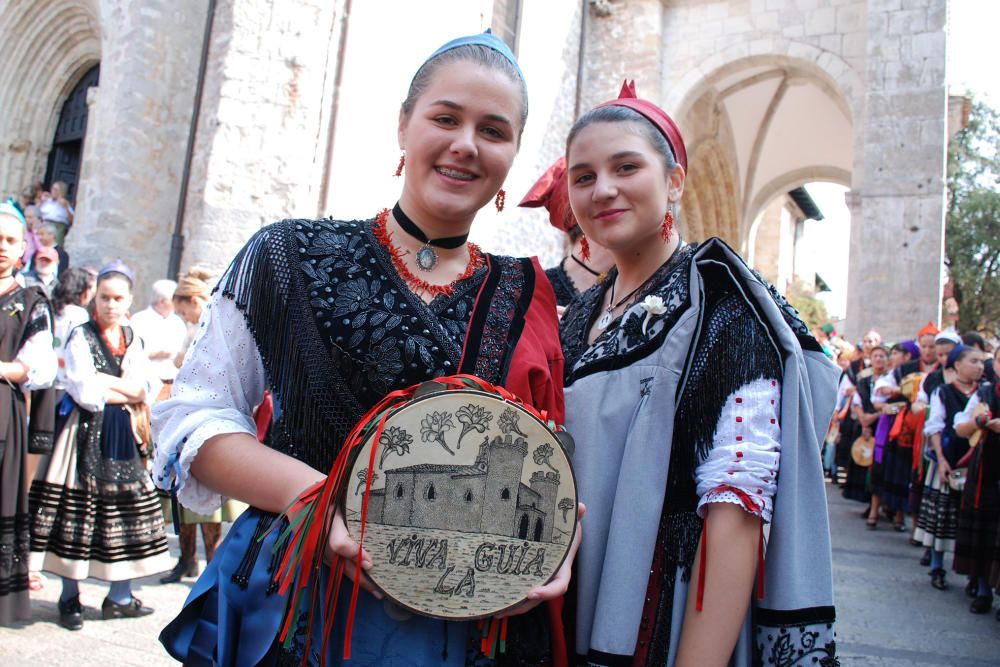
x: 477, y: 392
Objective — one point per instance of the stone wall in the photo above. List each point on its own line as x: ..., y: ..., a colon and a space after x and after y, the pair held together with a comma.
x: 45, y: 47
x: 137, y: 131
x: 897, y: 226
x: 261, y: 142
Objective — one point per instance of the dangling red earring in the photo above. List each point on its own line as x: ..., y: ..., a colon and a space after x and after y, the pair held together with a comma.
x: 402, y: 162
x: 584, y: 249
x: 500, y: 199
x: 668, y: 226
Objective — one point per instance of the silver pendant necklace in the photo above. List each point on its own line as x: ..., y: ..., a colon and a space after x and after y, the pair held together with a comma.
x: 609, y: 312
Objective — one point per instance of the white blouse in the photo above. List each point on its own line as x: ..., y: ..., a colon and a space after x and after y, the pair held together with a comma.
x: 91, y: 389
x: 71, y: 317
x: 215, y: 393
x: 935, y: 419
x: 38, y: 357
x: 742, y: 467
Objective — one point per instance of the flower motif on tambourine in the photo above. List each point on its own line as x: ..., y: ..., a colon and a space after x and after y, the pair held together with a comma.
x: 473, y: 418
x: 394, y: 439
x: 653, y: 305
x: 433, y: 426
x: 508, y: 422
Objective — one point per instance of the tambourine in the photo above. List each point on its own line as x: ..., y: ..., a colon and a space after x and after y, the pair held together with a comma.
x: 909, y: 386
x: 468, y: 500
x: 862, y: 451
x: 978, y: 411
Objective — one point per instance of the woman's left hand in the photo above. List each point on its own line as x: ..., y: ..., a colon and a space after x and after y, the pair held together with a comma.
x: 560, y: 582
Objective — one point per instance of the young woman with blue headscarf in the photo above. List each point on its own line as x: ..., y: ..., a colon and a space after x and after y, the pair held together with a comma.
x: 27, y: 362
x: 937, y: 525
x: 332, y: 316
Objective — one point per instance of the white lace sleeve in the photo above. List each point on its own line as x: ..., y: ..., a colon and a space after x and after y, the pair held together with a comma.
x: 742, y: 467
x: 38, y: 356
x: 214, y: 393
x: 87, y: 387
x: 935, y: 420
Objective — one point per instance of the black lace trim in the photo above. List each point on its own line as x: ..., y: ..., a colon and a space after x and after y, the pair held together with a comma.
x: 561, y: 284
x: 623, y: 342
x: 795, y: 638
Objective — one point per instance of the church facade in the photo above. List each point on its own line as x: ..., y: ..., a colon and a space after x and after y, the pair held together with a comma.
x: 486, y: 497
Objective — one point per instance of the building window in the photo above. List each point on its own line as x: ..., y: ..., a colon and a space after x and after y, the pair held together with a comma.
x: 505, y: 494
x: 468, y: 495
x: 506, y: 22
x: 399, y: 491
x: 431, y: 493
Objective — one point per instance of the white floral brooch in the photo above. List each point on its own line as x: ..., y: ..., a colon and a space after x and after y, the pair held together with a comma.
x: 15, y: 308
x: 653, y: 305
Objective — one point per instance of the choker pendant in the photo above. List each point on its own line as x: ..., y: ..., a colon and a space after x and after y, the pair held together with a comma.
x: 427, y: 259
x: 605, y: 320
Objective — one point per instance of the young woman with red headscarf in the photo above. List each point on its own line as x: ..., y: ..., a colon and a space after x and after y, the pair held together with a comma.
x: 687, y: 381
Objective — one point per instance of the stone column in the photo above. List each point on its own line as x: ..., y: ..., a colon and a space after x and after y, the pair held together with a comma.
x: 261, y: 140
x: 137, y: 130
x: 897, y: 228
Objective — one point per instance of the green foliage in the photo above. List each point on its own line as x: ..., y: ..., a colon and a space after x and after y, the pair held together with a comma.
x: 972, y: 241
x: 811, y: 310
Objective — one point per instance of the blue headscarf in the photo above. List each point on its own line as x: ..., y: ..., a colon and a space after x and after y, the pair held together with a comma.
x: 117, y: 266
x: 8, y: 208
x: 911, y: 347
x: 954, y: 354
x: 487, y: 39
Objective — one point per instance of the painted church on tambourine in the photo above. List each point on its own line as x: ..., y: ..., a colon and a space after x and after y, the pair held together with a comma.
x: 486, y: 497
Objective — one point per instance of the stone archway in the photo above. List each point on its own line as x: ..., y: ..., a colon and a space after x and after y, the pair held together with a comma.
x: 754, y: 125
x: 46, y: 48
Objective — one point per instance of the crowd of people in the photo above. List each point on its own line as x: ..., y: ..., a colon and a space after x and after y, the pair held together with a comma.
x: 916, y: 434
x: 80, y: 371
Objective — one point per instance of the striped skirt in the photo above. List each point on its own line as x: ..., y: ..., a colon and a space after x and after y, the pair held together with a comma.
x: 937, y: 525
x: 84, y: 528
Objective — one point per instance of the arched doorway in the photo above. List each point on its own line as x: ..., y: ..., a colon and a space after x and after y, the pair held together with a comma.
x: 538, y: 530
x: 67, y: 144
x: 522, y: 529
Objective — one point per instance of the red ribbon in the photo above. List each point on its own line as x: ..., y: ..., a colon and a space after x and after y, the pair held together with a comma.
x: 750, y: 504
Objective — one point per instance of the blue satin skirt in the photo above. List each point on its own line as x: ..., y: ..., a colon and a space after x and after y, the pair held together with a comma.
x: 225, y: 623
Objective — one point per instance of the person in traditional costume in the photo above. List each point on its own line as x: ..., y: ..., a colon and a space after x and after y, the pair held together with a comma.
x: 332, y: 316
x: 903, y: 432
x: 857, y: 483
x: 938, y: 522
x: 687, y: 380
x: 190, y: 298
x: 586, y: 262
x: 27, y: 365
x: 977, y: 548
x: 94, y: 511
x: 944, y: 342
x: 884, y: 397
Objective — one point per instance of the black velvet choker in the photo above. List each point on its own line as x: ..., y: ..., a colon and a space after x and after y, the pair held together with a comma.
x: 427, y: 259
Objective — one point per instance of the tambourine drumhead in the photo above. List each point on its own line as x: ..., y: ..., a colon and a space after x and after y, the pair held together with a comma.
x: 909, y: 386
x: 862, y: 450
x: 472, y: 504
x: 980, y: 409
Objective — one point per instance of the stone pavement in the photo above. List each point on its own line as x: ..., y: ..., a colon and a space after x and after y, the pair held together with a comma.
x: 889, y: 616
x: 887, y: 613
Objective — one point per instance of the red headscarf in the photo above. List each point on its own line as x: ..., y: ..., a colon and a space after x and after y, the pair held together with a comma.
x: 552, y: 191
x: 928, y: 330
x: 655, y: 115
